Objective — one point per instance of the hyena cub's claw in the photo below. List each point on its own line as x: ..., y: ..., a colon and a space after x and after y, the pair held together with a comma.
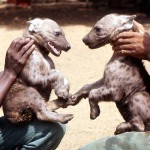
x: 66, y: 118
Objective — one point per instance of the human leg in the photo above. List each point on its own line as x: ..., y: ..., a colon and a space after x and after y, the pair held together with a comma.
x: 32, y: 135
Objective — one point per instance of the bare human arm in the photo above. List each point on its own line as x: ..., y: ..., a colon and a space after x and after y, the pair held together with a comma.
x: 16, y: 57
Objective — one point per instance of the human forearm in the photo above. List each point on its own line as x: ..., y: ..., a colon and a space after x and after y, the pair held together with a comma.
x: 6, y: 80
x: 17, y: 54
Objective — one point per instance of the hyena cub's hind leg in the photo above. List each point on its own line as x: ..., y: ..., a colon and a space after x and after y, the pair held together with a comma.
x: 30, y: 104
x: 43, y: 112
x: 136, y: 124
x: 139, y: 118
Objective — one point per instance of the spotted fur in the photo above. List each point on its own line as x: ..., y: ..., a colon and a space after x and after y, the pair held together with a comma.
x: 29, y: 96
x: 125, y: 80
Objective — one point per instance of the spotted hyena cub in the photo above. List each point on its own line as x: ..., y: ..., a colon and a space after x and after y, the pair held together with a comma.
x: 125, y: 80
x: 30, y: 94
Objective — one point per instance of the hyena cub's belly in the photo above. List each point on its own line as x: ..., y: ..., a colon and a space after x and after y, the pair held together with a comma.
x: 17, y: 106
x: 29, y: 91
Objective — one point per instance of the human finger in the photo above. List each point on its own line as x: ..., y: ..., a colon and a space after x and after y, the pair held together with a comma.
x: 123, y: 47
x: 139, y: 26
x: 121, y: 41
x: 125, y: 52
x: 27, y: 54
x: 124, y: 35
x: 25, y: 48
x: 19, y: 44
x: 13, y: 43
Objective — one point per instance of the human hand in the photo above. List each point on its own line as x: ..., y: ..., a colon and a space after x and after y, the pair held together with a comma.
x: 139, y: 26
x: 17, y: 55
x: 133, y: 44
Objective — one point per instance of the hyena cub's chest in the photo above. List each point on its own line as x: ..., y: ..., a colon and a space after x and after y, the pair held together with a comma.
x: 120, y: 71
x: 113, y: 71
x: 36, y: 69
x: 123, y: 75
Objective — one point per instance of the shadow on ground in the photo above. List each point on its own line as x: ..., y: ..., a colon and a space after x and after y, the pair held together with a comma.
x: 63, y: 13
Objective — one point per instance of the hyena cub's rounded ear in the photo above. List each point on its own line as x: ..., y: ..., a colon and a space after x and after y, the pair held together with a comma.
x: 125, y: 23
x: 34, y: 25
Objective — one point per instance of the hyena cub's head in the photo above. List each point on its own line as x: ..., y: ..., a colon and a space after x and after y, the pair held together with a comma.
x: 48, y: 34
x: 106, y: 28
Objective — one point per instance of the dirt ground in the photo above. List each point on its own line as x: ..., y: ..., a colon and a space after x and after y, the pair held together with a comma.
x: 80, y: 65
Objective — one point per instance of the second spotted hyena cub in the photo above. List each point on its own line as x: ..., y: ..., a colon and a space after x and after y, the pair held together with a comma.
x: 125, y: 80
x: 29, y: 95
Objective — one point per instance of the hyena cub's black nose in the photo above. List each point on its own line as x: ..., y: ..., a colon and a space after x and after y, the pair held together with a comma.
x: 68, y: 47
x: 85, y: 40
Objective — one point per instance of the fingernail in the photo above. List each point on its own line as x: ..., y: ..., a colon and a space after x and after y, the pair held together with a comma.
x: 27, y: 39
x: 33, y: 46
x: 32, y: 40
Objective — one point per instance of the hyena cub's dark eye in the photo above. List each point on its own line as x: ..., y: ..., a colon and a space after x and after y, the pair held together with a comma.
x: 57, y: 33
x: 97, y: 29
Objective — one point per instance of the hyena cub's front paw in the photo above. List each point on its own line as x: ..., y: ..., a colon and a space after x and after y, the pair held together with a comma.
x: 75, y: 98
x: 63, y: 94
